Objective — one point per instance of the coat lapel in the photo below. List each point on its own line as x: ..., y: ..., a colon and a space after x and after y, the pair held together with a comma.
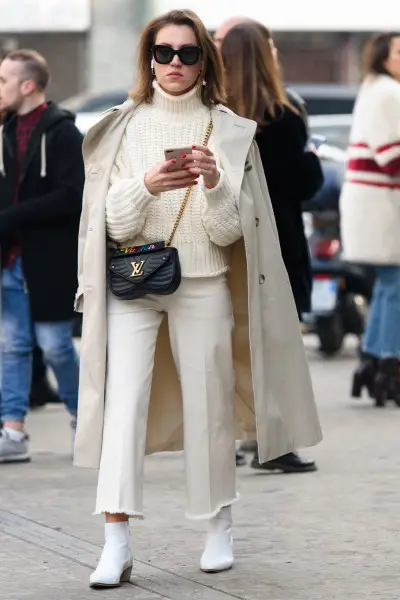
x: 234, y: 136
x: 113, y: 123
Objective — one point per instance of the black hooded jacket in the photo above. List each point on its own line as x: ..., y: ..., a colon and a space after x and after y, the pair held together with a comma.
x: 45, y: 220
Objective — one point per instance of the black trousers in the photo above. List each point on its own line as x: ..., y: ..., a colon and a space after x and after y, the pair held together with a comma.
x: 38, y: 365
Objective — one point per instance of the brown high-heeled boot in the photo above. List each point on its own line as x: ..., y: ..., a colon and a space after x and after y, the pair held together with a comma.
x: 364, y: 376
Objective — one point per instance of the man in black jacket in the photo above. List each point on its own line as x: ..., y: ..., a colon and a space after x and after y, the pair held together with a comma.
x: 41, y: 185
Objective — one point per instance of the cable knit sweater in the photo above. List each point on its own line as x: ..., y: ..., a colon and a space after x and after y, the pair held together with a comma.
x: 211, y: 220
x: 370, y: 198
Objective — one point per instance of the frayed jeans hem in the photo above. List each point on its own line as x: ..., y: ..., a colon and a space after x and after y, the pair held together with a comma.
x: 13, y: 418
x: 381, y: 355
x: 128, y: 513
x: 213, y: 514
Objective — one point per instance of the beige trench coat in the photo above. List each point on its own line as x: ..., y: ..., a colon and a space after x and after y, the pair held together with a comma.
x: 274, y: 396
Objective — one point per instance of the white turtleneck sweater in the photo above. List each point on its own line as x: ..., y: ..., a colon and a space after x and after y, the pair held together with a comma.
x: 211, y: 220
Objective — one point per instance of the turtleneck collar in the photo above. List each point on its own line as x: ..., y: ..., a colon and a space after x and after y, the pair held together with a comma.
x: 188, y: 104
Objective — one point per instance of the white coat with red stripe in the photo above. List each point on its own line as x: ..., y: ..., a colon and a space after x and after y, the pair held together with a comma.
x: 370, y: 199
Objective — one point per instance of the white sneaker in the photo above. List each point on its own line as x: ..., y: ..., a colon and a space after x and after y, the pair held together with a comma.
x: 115, y: 565
x: 12, y: 451
x: 218, y: 554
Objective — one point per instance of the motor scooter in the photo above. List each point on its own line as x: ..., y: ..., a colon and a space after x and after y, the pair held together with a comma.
x: 341, y: 291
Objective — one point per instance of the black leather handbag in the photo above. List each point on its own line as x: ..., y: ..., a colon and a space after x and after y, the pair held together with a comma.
x: 150, y: 269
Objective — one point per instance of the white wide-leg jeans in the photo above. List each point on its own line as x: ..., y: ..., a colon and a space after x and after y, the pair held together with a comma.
x: 200, y: 327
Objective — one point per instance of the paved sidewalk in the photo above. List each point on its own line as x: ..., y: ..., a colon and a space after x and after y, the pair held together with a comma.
x: 330, y: 535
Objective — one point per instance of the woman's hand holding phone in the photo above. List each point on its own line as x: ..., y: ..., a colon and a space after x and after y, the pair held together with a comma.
x: 203, y: 162
x: 164, y: 177
x: 181, y: 169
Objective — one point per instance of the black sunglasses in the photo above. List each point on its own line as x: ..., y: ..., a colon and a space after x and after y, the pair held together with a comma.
x: 188, y: 55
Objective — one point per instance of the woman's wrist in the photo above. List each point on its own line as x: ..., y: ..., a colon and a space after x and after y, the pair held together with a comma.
x: 147, y: 184
x: 211, y: 184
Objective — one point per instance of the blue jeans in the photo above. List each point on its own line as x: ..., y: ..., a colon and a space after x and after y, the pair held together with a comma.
x: 18, y: 334
x: 382, y: 336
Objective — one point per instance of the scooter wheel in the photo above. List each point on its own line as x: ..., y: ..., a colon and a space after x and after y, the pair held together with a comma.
x: 330, y: 331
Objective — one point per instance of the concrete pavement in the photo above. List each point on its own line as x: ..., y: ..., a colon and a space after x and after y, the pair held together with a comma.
x: 330, y: 535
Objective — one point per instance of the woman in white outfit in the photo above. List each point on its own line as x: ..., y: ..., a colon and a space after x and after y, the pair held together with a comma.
x: 154, y: 365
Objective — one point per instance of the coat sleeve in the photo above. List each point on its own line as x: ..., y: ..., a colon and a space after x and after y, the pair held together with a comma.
x: 68, y: 176
x: 127, y: 199
x: 221, y: 218
x: 384, y: 130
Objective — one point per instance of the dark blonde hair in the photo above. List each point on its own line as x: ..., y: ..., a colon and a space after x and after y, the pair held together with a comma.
x: 254, y: 82
x: 35, y: 66
x: 213, y: 92
x: 376, y: 53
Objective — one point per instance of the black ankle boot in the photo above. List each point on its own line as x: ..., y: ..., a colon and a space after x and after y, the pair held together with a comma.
x: 387, y: 382
x: 364, y: 376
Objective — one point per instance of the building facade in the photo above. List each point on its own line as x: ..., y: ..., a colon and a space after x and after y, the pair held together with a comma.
x: 319, y: 42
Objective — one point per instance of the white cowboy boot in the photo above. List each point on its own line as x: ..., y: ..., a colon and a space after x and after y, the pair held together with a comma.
x: 115, y: 566
x: 218, y: 554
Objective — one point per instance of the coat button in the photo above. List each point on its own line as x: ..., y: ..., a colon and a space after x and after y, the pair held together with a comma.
x: 262, y: 278
x: 257, y: 221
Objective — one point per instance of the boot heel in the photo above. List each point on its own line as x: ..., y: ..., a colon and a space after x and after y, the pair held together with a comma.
x: 363, y: 376
x: 380, y: 399
x: 356, y: 387
x: 126, y: 575
x: 381, y: 392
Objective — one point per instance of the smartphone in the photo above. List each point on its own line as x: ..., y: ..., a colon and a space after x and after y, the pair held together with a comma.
x: 176, y: 153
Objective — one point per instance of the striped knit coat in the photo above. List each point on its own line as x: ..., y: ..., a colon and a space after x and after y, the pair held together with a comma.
x: 370, y: 199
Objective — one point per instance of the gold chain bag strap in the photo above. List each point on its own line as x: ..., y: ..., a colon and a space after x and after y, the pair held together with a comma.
x: 153, y: 268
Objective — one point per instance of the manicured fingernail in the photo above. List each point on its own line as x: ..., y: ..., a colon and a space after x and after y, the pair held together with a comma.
x: 183, y: 156
x: 173, y: 161
x: 193, y: 146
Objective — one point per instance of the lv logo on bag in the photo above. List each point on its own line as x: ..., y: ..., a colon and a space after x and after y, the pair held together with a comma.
x: 137, y: 268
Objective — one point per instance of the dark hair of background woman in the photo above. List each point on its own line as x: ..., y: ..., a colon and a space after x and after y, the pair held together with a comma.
x: 377, y: 51
x: 253, y: 77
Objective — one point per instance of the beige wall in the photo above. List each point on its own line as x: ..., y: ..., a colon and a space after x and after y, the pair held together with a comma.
x: 321, y: 57
x: 66, y: 54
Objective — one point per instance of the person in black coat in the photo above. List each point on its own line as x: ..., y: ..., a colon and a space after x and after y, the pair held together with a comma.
x: 293, y: 171
x: 41, y: 186
x: 293, y: 175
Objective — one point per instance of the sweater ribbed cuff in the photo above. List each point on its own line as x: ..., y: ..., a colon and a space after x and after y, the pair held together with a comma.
x: 220, y: 193
x: 221, y: 216
x: 130, y: 192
